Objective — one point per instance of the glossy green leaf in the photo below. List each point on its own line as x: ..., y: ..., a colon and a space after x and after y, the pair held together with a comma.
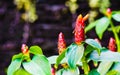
x: 52, y: 59
x: 104, y: 67
x: 117, y: 29
x: 14, y: 66
x: 21, y: 72
x: 116, y: 66
x: 94, y: 44
x: 106, y: 55
x: 39, y: 65
x: 112, y: 72
x: 74, y: 54
x: 116, y: 16
x: 85, y: 67
x: 90, y: 26
x: 35, y: 50
x: 118, y: 73
x: 17, y: 56
x: 59, y: 72
x: 68, y: 72
x: 101, y: 26
x: 79, y: 63
x: 94, y: 72
x: 60, y: 58
x: 89, y: 49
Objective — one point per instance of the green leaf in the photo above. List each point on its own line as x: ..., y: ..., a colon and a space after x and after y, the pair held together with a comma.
x: 117, y: 29
x: 106, y: 55
x: 116, y: 66
x: 116, y: 16
x: 85, y: 66
x: 35, y: 50
x: 59, y: 72
x: 104, y: 67
x: 60, y: 58
x: 90, y: 26
x: 112, y: 72
x: 79, y: 63
x: 39, y: 65
x: 94, y: 44
x: 14, y: 66
x: 17, y: 56
x: 89, y: 49
x: 101, y: 26
x: 21, y: 72
x: 74, y: 54
x: 68, y: 72
x: 93, y: 72
x: 52, y: 59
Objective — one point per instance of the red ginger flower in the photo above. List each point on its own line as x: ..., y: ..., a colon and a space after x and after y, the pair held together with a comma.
x: 112, y: 45
x: 24, y: 49
x: 79, y: 29
x: 61, y: 43
x: 108, y: 12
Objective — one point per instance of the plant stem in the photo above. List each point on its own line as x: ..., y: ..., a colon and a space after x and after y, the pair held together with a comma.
x: 115, y: 35
x: 85, y: 66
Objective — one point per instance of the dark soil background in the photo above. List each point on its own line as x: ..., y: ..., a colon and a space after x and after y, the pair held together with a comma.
x: 54, y: 17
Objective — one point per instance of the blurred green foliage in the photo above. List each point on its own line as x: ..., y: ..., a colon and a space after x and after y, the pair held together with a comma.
x: 30, y: 10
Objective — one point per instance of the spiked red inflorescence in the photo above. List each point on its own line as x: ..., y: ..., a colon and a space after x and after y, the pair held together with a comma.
x: 112, y: 45
x: 61, y: 43
x: 24, y: 49
x: 79, y: 29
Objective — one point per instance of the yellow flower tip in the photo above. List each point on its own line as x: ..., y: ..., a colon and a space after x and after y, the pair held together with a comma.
x: 64, y: 65
x: 85, y: 17
x: 24, y: 49
x: 55, y: 66
x: 108, y: 12
x: 79, y: 18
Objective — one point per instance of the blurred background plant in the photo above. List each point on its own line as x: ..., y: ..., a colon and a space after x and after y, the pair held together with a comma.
x: 28, y: 6
x: 97, y: 6
x: 29, y: 15
x: 73, y: 6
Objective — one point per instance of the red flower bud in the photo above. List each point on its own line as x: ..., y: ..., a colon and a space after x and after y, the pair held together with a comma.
x: 53, y: 71
x: 24, y: 49
x: 61, y: 43
x: 79, y: 29
x: 108, y: 12
x: 112, y: 45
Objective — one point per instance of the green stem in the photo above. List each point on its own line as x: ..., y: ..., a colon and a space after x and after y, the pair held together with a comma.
x: 115, y: 35
x: 85, y: 66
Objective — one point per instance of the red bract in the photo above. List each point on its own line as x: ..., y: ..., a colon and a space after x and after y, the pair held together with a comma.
x: 112, y: 45
x: 53, y: 71
x: 24, y: 49
x: 61, y: 43
x: 108, y: 12
x: 79, y: 29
